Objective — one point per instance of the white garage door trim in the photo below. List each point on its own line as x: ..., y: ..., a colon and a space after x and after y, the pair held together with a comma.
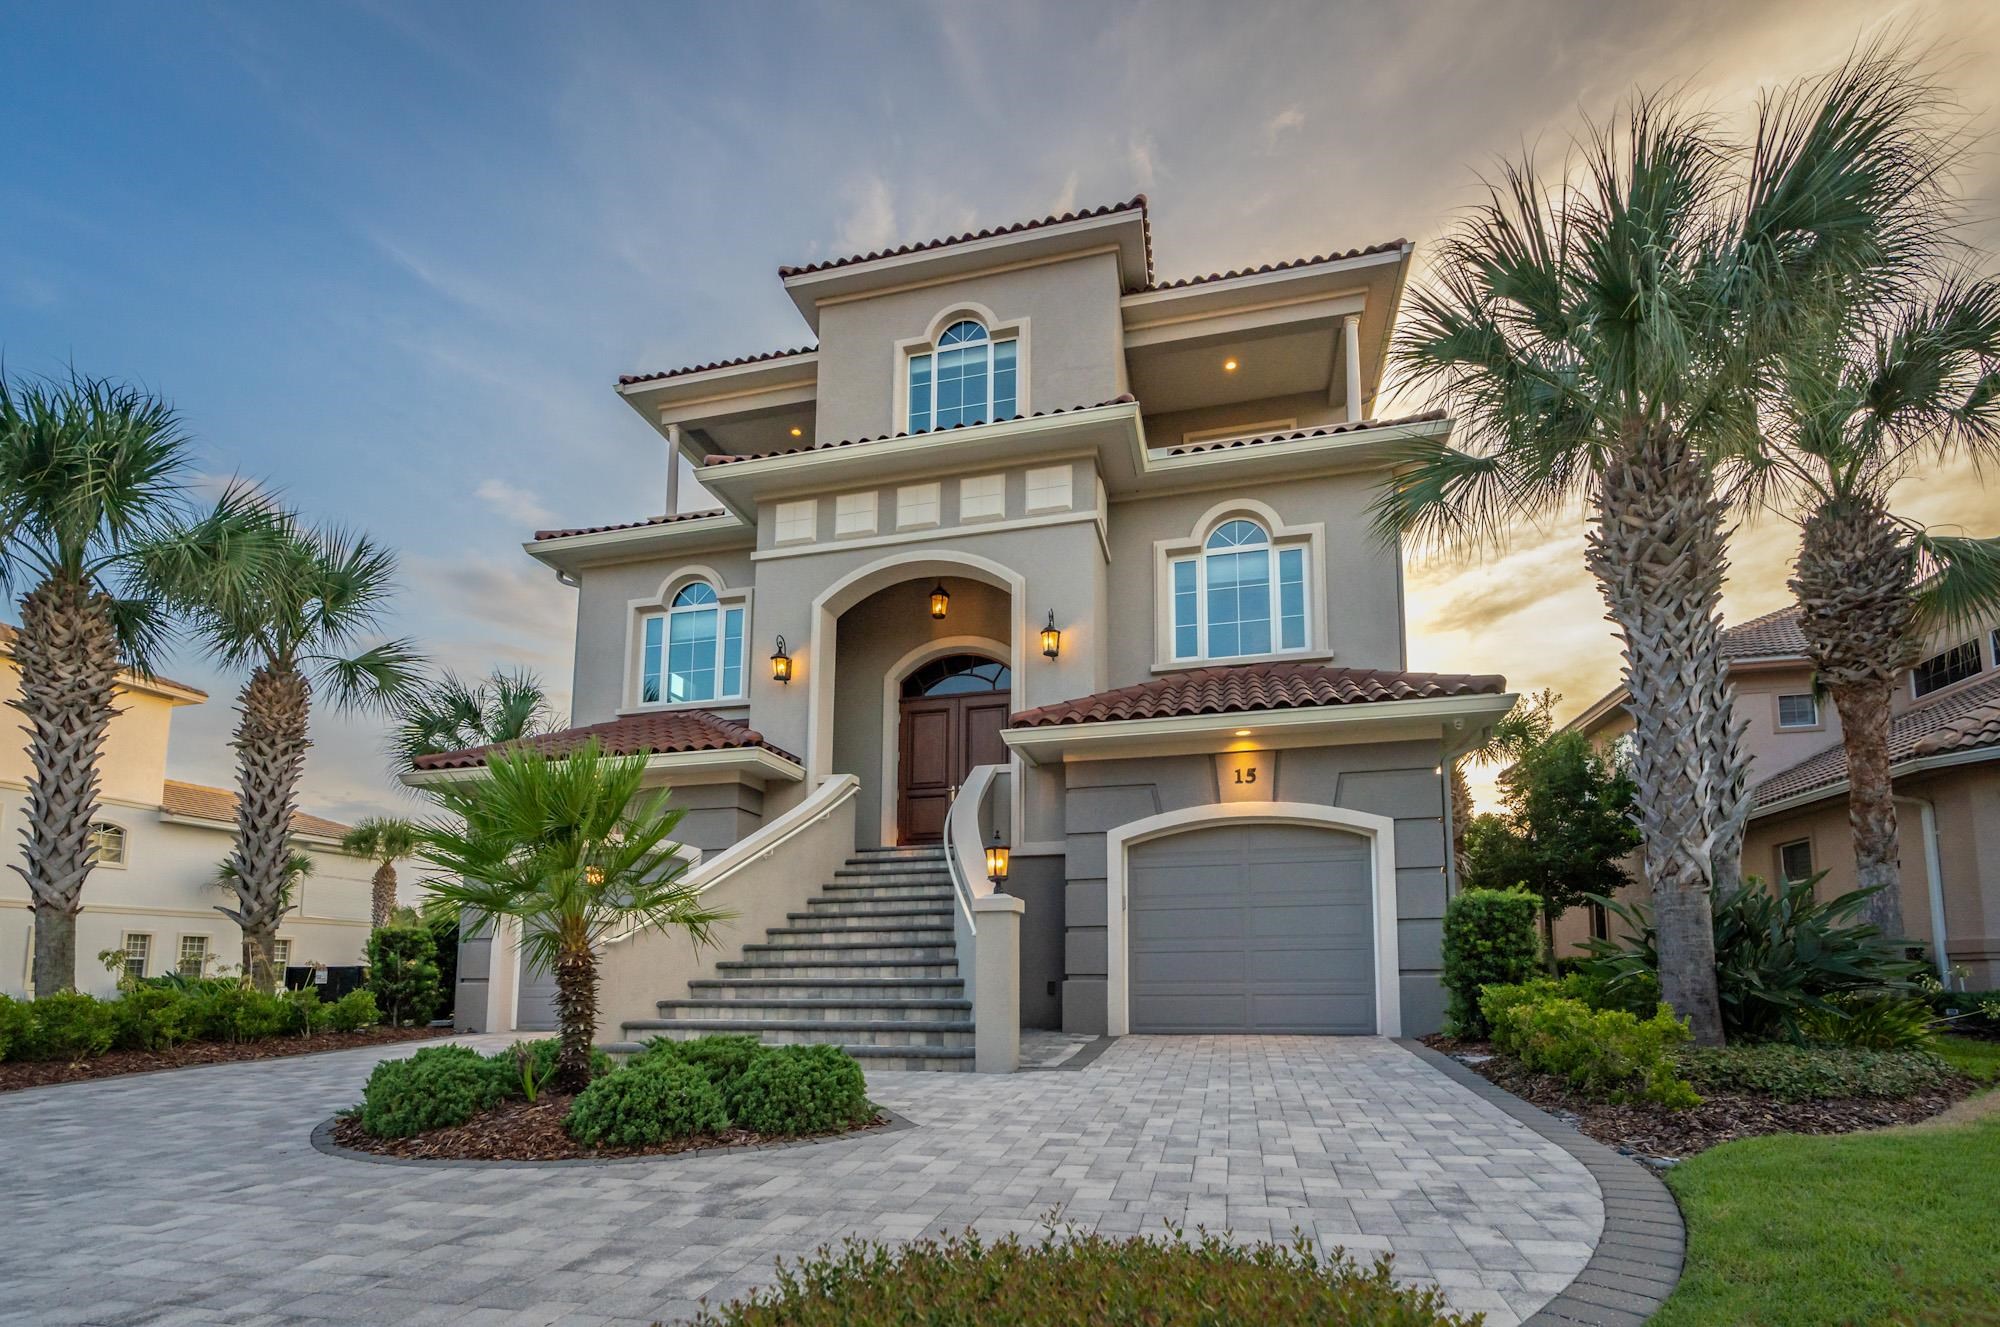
x: 1379, y: 830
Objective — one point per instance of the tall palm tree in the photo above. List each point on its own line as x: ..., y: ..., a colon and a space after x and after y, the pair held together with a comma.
x: 298, y: 866
x: 92, y: 497
x: 570, y: 849
x: 1882, y: 381
x: 1599, y: 335
x: 448, y: 713
x: 385, y: 841
x: 1518, y: 731
x: 295, y: 628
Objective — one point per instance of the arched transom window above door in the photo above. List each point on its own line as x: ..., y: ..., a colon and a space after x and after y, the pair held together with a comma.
x: 1246, y: 587
x: 689, y: 647
x: 969, y: 375
x: 958, y: 675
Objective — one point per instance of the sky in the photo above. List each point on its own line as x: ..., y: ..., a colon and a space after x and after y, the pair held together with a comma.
x: 388, y: 259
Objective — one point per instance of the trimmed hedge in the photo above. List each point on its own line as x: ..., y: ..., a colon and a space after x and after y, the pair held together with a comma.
x: 646, y: 1104
x: 67, y: 1026
x: 1814, y: 1073
x: 799, y: 1089
x: 17, y: 1019
x: 1606, y: 1053
x: 722, y: 1058
x: 353, y: 1012
x: 1490, y: 938
x: 438, y: 1087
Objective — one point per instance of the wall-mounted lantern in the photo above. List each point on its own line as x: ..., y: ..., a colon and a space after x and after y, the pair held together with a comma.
x: 1051, y: 638
x: 940, y: 601
x: 996, y: 862
x: 781, y: 664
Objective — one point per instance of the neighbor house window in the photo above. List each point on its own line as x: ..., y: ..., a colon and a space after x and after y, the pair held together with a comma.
x: 1795, y: 860
x: 107, y: 844
x: 693, y: 651
x: 1946, y: 667
x: 1239, y: 596
x: 138, y: 950
x: 968, y: 379
x: 1799, y: 711
x: 281, y: 954
x: 193, y: 960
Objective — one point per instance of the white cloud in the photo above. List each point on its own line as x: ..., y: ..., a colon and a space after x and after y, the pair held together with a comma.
x: 870, y: 222
x: 1292, y: 117
x: 1139, y: 157
x: 1066, y: 200
x: 512, y: 501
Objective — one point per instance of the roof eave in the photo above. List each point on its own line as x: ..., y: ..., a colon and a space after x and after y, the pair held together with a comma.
x: 572, y: 553
x: 1915, y: 765
x: 756, y: 764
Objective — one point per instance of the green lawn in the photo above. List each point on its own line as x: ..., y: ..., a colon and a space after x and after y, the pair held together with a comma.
x: 1975, y: 1059
x: 1879, y: 1228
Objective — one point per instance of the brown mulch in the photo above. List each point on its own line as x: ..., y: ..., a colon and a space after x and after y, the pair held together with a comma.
x: 1657, y: 1131
x: 521, y: 1131
x: 16, y: 1074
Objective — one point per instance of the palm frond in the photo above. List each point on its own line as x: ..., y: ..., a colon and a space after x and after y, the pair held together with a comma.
x: 1961, y: 585
x: 375, y: 680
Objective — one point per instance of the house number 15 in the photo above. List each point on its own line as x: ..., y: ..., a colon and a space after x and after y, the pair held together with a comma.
x: 1246, y: 775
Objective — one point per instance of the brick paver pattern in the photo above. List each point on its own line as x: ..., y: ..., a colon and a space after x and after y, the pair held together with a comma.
x: 195, y: 1197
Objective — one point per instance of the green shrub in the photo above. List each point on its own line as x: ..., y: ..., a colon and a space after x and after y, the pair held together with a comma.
x: 1489, y: 938
x: 1606, y: 1053
x: 1871, y: 1022
x: 1072, y: 1277
x: 69, y: 1025
x: 16, y: 1023
x: 799, y: 1089
x: 151, y: 1018
x: 236, y: 1013
x: 353, y: 1012
x: 644, y: 1104
x: 723, y: 1058
x: 1814, y: 1073
x: 438, y: 1087
x: 1976, y: 1012
x: 542, y: 1063
x: 403, y: 972
x: 305, y: 1012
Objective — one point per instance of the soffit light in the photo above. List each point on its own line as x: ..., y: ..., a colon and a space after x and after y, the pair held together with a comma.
x: 1229, y: 366
x: 940, y: 601
x: 798, y: 432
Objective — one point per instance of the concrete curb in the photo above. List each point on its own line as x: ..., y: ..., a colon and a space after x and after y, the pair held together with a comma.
x: 323, y: 1141
x: 1638, y: 1258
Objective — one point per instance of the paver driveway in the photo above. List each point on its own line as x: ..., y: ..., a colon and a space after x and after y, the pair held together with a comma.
x: 195, y: 1196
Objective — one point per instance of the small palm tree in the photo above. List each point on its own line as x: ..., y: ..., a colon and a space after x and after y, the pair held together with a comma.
x: 384, y: 841
x: 571, y: 849
x: 295, y: 628
x: 92, y: 499
x: 447, y: 713
x: 1600, y: 336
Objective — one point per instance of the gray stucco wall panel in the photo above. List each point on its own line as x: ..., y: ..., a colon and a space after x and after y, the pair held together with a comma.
x: 1420, y: 941
x: 1083, y: 1005
x: 1419, y: 892
x: 1399, y: 793
x: 1423, y: 1003
x: 1420, y: 843
x: 1083, y: 902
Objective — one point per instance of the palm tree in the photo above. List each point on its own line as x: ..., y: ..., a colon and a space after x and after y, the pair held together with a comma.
x: 1518, y: 731
x: 450, y: 714
x: 228, y: 876
x: 92, y: 499
x: 569, y: 849
x: 383, y: 840
x: 1600, y: 334
x: 295, y: 629
x: 1882, y: 381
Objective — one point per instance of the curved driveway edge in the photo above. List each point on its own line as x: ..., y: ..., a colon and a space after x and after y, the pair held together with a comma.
x: 1638, y: 1259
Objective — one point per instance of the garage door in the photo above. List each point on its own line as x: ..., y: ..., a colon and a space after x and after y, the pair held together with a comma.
x: 535, y: 1003
x: 1251, y: 928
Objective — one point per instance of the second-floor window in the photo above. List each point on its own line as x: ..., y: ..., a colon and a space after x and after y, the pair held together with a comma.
x: 1239, y: 596
x: 1798, y: 711
x: 107, y: 844
x: 969, y: 378
x: 693, y: 651
x: 1945, y: 667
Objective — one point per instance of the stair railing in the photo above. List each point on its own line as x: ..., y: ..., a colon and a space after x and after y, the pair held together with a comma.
x: 966, y: 828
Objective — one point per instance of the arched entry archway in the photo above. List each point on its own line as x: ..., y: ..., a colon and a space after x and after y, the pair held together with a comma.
x: 950, y: 713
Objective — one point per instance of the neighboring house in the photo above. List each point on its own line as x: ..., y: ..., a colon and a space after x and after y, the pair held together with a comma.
x: 1944, y: 749
x: 152, y: 894
x: 1031, y: 546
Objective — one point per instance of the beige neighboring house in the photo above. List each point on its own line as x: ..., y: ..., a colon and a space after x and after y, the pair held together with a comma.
x: 1944, y: 751
x: 160, y: 841
x: 1037, y: 547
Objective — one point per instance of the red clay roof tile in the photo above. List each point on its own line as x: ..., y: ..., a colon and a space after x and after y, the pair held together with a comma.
x: 627, y: 379
x: 1285, y: 266
x: 1359, y: 425
x: 629, y: 735
x: 1136, y: 202
x: 1956, y: 721
x: 628, y: 525
x: 198, y: 801
x: 1772, y: 635
x: 725, y: 458
x: 1246, y: 688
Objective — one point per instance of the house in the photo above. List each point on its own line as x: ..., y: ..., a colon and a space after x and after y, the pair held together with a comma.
x: 152, y: 895
x: 1031, y: 548
x: 1944, y: 751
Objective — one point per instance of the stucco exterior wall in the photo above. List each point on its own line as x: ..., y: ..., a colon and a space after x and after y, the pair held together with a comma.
x: 1305, y: 410
x: 133, y: 761
x: 604, y: 622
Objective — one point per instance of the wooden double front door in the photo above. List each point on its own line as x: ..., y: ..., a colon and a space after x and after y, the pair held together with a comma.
x: 953, y: 710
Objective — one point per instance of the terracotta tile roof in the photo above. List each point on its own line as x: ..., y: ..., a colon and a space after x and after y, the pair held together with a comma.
x: 1963, y: 720
x: 726, y: 458
x: 1774, y: 634
x: 1244, y: 688
x: 198, y: 801
x: 627, y: 379
x: 1285, y: 266
x: 628, y: 525
x: 1357, y: 426
x: 630, y: 735
x: 1136, y: 203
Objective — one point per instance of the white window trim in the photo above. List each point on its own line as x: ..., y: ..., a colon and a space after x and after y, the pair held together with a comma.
x: 124, y: 846
x: 1311, y: 536
x: 997, y: 329
x: 1812, y: 859
x: 1778, y: 713
x: 636, y: 613
x: 208, y: 950
x: 1255, y: 429
x: 124, y: 944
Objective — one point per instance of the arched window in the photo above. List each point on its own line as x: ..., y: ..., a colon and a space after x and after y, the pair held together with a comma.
x: 107, y: 844
x: 968, y: 379
x: 693, y: 651
x: 1239, y: 596
x: 958, y: 675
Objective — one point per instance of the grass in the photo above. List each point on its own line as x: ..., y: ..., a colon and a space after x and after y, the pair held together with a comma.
x: 1892, y: 1228
x: 1978, y: 1060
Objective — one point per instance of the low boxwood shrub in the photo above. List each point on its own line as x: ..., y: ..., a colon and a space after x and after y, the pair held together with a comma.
x: 17, y: 1022
x: 69, y: 1025
x: 541, y: 1056
x: 1072, y: 1277
x: 438, y: 1087
x: 305, y: 1012
x: 151, y: 1018
x: 1490, y: 938
x: 1606, y: 1053
x: 644, y: 1104
x: 235, y: 1012
x: 799, y: 1089
x: 723, y: 1058
x: 353, y: 1012
x: 1813, y: 1073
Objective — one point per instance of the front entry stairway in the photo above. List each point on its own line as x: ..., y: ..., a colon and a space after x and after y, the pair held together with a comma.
x: 869, y: 966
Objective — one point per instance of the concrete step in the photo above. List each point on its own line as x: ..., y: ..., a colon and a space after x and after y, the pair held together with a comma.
x: 819, y: 1010
x: 838, y: 891
x: 895, y: 872
x: 899, y: 1033
x: 851, y: 951
x: 842, y: 911
x: 827, y: 988
x: 931, y: 853
x: 850, y: 969
x: 868, y: 931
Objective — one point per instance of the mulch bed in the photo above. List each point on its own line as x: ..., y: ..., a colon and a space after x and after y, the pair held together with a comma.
x: 16, y: 1074
x: 1656, y: 1131
x: 523, y: 1131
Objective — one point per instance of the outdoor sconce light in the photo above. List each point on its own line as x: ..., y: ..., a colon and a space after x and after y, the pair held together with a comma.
x: 781, y: 664
x: 996, y: 861
x: 1051, y: 638
x: 940, y: 601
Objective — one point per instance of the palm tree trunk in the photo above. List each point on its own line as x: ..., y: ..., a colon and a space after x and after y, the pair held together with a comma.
x: 1856, y: 585
x: 270, y: 747
x: 67, y: 654
x: 384, y: 895
x: 1658, y: 548
x: 576, y: 1014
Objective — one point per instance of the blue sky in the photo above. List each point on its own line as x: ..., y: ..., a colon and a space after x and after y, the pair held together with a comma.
x: 388, y: 259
